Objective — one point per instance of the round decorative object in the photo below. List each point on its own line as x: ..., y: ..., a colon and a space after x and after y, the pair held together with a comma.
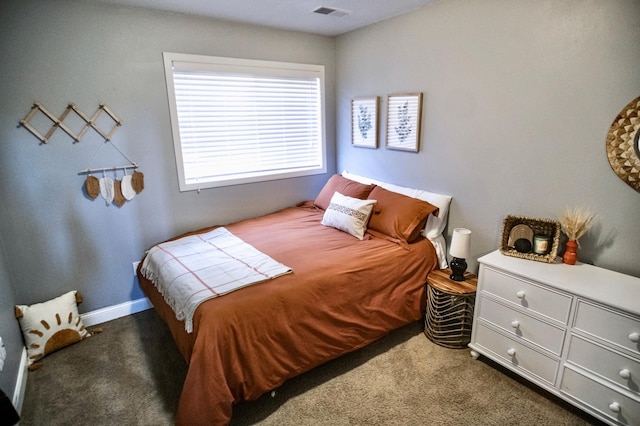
x: 523, y: 245
x: 520, y: 231
x: 623, y: 150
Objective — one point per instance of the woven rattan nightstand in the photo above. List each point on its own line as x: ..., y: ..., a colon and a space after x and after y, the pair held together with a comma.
x: 449, y: 312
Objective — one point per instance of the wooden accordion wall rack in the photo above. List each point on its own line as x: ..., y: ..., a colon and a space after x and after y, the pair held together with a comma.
x: 116, y: 191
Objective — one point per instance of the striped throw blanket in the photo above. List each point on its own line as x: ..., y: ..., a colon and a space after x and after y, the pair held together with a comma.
x: 196, y: 268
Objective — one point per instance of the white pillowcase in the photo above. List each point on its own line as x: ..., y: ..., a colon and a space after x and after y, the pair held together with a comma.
x: 435, y: 225
x: 348, y: 214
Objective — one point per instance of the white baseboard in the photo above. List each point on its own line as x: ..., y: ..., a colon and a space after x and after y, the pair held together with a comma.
x: 116, y: 311
x: 21, y: 382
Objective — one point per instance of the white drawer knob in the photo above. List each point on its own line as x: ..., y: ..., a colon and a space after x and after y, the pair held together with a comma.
x: 634, y: 337
x: 615, y: 407
x: 515, y: 323
x: 625, y: 374
x: 511, y: 352
x: 520, y: 294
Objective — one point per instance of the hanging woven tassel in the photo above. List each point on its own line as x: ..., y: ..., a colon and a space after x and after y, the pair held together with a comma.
x: 92, y: 187
x: 125, y: 186
x: 137, y: 181
x: 118, y: 198
x: 106, y: 188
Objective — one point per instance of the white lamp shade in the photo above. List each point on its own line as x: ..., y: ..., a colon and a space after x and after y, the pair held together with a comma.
x: 460, y: 243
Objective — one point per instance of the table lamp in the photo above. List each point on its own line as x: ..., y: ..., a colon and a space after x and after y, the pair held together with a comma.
x: 460, y: 251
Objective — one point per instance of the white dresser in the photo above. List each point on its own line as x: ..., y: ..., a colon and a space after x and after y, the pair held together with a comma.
x: 573, y: 330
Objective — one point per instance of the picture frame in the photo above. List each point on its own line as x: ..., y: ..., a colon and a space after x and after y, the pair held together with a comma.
x: 404, y: 116
x: 364, y: 121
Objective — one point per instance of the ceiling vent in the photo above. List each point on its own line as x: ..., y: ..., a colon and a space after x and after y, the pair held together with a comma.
x: 338, y: 13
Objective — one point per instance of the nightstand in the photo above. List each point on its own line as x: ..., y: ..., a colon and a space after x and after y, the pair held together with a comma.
x: 449, y: 313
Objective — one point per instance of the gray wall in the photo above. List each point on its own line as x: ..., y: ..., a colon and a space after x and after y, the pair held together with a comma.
x: 518, y: 99
x: 55, y: 238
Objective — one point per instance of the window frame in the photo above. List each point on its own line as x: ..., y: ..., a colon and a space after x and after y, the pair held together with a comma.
x: 250, y: 66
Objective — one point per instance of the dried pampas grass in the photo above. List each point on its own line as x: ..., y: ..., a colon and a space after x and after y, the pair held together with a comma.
x: 576, y: 222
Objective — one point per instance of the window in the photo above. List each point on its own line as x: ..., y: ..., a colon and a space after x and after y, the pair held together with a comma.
x: 239, y: 121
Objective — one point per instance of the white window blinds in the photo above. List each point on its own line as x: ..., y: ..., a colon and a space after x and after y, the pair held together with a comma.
x: 237, y: 121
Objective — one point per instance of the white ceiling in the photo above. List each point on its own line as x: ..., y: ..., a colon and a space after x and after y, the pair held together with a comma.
x: 294, y: 15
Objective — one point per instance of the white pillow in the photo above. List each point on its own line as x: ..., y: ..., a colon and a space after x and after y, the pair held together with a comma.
x: 51, y: 325
x: 348, y: 214
x: 435, y: 225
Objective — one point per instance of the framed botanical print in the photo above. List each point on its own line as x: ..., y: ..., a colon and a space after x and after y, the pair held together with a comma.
x: 404, y: 113
x: 364, y: 122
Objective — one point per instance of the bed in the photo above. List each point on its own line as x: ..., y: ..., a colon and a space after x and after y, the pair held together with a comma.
x: 346, y: 288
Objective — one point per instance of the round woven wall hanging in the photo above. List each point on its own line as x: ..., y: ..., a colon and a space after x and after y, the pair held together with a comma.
x: 623, y: 151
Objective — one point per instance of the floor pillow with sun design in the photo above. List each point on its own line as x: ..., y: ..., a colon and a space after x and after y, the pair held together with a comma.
x: 51, y: 325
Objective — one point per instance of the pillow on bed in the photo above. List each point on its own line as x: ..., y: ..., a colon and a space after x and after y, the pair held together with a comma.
x: 51, y: 325
x: 348, y: 214
x: 398, y: 216
x: 435, y: 225
x: 344, y: 186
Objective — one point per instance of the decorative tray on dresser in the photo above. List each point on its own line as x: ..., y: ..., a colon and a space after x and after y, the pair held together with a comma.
x: 572, y: 330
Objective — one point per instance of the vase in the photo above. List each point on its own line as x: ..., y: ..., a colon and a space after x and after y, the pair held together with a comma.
x: 570, y: 256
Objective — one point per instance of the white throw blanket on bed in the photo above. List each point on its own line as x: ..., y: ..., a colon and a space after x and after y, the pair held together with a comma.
x: 196, y: 268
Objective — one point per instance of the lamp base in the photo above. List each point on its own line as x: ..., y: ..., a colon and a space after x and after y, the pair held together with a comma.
x: 458, y: 268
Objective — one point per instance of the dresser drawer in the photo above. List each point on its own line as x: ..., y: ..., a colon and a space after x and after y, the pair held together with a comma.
x: 613, y: 366
x: 609, y: 325
x: 522, y: 326
x: 515, y: 354
x: 598, y: 397
x: 530, y: 296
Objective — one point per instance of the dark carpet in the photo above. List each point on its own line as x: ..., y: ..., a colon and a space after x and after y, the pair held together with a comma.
x: 132, y: 374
